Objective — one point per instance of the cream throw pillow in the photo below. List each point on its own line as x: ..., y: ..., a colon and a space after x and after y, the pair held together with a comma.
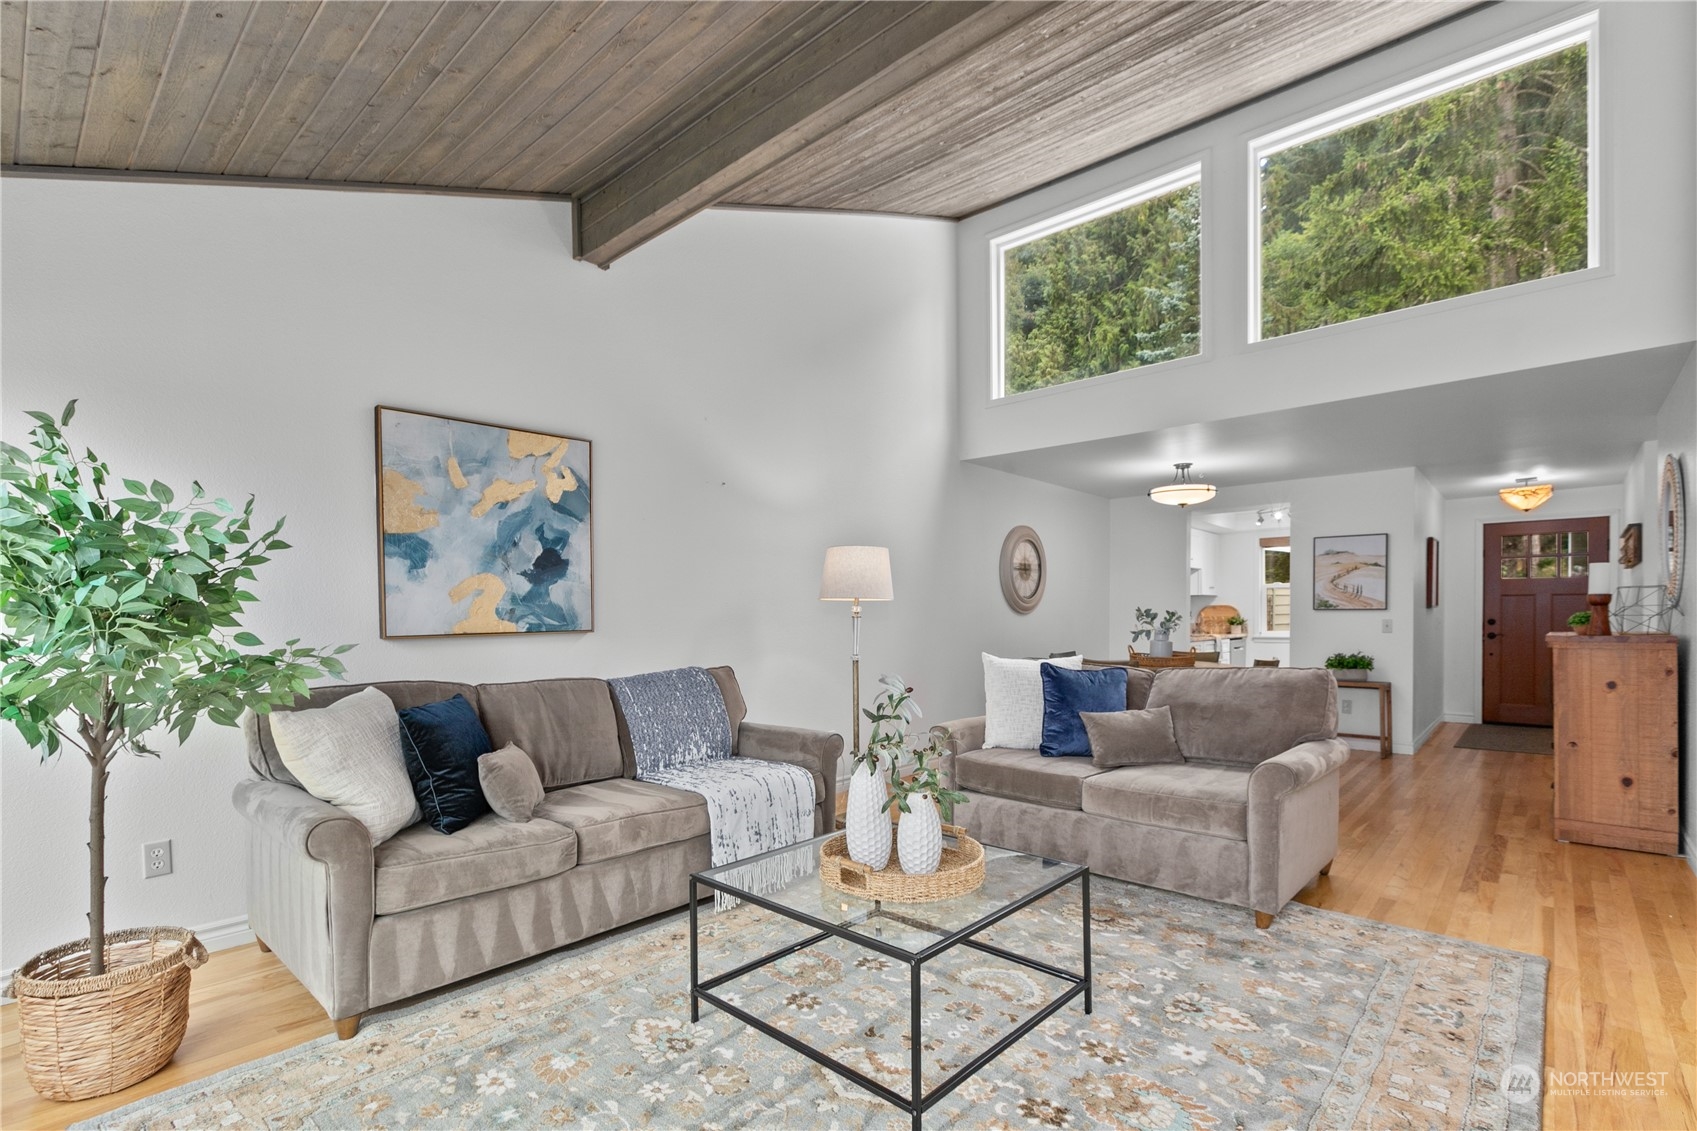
x: 349, y: 754
x: 1013, y: 700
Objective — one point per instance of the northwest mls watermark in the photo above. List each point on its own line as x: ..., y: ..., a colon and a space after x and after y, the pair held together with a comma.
x: 1520, y: 1084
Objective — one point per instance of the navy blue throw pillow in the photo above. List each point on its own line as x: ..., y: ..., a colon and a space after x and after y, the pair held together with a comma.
x: 1066, y: 692
x: 441, y: 743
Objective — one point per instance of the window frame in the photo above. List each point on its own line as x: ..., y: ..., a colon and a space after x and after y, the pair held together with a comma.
x: 1263, y: 587
x: 1162, y: 184
x: 1523, y: 49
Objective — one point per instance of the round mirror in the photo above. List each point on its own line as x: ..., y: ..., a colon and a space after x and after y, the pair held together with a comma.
x: 1672, y: 509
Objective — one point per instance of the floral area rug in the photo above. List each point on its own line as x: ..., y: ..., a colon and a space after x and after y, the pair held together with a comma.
x: 1200, y: 1021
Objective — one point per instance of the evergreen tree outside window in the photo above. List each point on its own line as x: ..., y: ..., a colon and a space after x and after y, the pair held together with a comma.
x: 1111, y: 286
x: 1476, y: 178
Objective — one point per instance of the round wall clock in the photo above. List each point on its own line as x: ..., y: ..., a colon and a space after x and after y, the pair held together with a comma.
x: 1025, y: 569
x: 1672, y: 509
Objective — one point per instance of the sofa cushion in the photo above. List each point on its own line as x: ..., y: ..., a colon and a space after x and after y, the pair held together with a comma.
x: 262, y: 746
x: 1213, y: 800
x: 1138, y: 683
x: 1246, y: 715
x: 510, y: 783
x: 565, y: 725
x: 1013, y: 700
x: 420, y: 866
x: 621, y: 816
x: 441, y: 743
x: 1131, y: 738
x: 349, y: 754
x: 1065, y: 694
x: 1024, y: 775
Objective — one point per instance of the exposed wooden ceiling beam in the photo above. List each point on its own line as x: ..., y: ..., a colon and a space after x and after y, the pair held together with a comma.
x: 875, y: 51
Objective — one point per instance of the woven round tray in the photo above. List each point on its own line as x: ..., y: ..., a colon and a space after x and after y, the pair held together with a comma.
x: 960, y: 871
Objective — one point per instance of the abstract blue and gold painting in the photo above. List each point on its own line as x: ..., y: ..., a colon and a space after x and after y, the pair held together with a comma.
x: 485, y: 529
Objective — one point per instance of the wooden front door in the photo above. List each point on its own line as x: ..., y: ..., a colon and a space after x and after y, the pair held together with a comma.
x: 1536, y: 575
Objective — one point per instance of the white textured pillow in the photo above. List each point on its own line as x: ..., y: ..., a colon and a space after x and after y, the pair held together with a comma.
x: 349, y: 754
x: 1013, y: 700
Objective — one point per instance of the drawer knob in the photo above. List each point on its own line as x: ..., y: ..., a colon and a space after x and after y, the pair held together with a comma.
x: 1627, y: 782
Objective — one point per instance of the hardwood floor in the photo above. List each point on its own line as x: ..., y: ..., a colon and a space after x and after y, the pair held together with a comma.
x: 1452, y: 841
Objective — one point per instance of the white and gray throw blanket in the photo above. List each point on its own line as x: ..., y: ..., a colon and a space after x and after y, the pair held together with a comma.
x: 681, y: 736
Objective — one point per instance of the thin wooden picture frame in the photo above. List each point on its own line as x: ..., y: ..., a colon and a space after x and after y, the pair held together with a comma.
x: 1351, y: 572
x: 482, y: 529
x: 1431, y: 573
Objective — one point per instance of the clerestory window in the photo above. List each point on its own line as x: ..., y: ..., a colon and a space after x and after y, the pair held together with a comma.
x: 1474, y: 178
x: 1110, y: 286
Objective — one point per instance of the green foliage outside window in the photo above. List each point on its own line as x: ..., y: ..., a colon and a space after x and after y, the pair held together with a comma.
x: 1111, y: 293
x: 1481, y: 187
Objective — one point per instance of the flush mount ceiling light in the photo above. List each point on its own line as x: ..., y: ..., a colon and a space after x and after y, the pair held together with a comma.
x: 1181, y: 492
x: 1527, y: 495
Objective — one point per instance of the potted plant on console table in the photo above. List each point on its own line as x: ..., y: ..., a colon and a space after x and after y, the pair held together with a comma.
x: 1350, y: 665
x: 117, y: 600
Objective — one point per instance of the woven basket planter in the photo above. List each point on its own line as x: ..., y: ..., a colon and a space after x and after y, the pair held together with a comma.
x: 88, y: 1035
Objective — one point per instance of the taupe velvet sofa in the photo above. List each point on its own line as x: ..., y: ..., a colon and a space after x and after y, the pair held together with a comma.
x: 1250, y: 817
x: 362, y: 927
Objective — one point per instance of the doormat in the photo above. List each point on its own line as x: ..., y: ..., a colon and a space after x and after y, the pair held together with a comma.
x: 1201, y: 1021
x: 1513, y: 740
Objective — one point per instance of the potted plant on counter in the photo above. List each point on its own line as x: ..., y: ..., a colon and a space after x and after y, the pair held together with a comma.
x: 120, y: 605
x: 1234, y: 626
x: 1352, y: 665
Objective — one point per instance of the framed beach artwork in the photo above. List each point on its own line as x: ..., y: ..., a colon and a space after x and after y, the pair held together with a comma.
x: 484, y: 529
x: 1350, y: 570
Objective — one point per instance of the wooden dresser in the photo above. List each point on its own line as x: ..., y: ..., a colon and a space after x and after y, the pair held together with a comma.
x: 1617, y: 740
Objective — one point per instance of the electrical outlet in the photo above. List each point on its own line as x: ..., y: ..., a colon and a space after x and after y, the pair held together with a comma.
x: 1346, y: 707
x: 1385, y: 625
x: 156, y: 858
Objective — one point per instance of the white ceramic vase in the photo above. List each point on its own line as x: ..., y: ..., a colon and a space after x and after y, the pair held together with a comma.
x: 1161, y: 644
x: 868, y: 822
x: 919, y: 836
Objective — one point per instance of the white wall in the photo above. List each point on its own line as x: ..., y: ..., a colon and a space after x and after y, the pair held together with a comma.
x: 1428, y: 698
x: 1644, y: 294
x: 757, y: 387
x: 1463, y: 542
x: 1148, y: 567
x: 1676, y: 434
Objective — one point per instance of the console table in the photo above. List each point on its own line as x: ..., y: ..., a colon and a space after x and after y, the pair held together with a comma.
x: 1383, y: 687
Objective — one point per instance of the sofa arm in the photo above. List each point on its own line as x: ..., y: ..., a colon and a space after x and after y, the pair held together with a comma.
x: 816, y: 751
x: 1295, y: 768
x: 1293, y: 820
x: 964, y: 735
x: 309, y: 884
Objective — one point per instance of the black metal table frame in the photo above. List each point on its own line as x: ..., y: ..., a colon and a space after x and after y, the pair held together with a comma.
x: 920, y: 1100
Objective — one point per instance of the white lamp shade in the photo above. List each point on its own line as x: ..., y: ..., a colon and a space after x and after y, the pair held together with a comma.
x: 856, y: 573
x: 1602, y: 577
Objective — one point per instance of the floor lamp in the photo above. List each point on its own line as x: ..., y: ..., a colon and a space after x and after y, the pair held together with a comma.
x: 856, y: 573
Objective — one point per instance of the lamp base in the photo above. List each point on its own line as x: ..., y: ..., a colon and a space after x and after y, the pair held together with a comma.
x: 1599, y: 605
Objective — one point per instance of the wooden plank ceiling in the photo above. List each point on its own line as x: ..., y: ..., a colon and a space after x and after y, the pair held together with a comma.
x: 645, y: 113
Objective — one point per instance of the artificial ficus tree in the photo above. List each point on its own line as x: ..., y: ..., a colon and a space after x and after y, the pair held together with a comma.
x: 121, y: 608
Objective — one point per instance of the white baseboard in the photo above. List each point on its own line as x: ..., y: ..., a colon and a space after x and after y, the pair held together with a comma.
x: 1431, y: 729
x: 1466, y: 718
x: 222, y: 935
x: 1690, y: 853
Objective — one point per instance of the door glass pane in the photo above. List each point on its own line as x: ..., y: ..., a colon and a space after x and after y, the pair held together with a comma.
x: 1576, y: 542
x: 1513, y: 567
x: 1544, y: 567
x: 1513, y: 544
x: 1546, y: 544
x: 1578, y: 567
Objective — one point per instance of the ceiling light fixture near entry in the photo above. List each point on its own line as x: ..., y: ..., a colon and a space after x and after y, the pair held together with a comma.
x: 1527, y: 496
x: 1181, y: 492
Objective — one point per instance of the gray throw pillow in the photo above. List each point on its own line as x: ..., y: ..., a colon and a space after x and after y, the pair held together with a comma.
x: 510, y: 783
x: 1131, y: 738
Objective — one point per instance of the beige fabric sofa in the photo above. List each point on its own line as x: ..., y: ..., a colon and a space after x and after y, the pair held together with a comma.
x: 1250, y: 817
x: 362, y: 927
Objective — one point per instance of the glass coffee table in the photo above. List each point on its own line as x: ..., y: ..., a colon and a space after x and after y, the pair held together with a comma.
x: 909, y: 933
